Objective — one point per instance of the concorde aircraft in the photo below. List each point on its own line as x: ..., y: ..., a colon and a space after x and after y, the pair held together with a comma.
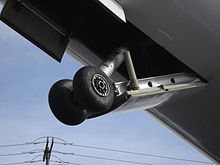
x: 154, y: 55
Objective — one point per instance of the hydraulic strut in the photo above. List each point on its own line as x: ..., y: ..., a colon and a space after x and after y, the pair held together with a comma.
x: 111, y: 64
x: 131, y: 72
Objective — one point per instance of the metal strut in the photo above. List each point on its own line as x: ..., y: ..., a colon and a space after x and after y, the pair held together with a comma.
x: 112, y: 63
x: 131, y: 72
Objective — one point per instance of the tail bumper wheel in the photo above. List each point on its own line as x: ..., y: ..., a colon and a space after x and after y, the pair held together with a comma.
x: 63, y: 105
x: 93, y: 89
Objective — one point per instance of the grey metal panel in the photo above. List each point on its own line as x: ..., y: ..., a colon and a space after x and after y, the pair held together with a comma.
x: 34, y: 28
x: 158, y: 91
x: 187, y: 29
x: 197, y: 118
x: 190, y: 30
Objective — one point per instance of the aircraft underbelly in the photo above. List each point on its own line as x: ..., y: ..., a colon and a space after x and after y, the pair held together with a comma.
x: 190, y: 30
x: 158, y: 91
x: 187, y: 29
x: 197, y: 118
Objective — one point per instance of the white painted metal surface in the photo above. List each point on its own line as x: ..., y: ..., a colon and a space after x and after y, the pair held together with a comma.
x: 115, y: 7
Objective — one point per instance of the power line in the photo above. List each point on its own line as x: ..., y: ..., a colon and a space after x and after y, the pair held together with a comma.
x: 135, y: 153
x: 27, y: 143
x: 15, y: 145
x: 63, y: 142
x: 57, y: 158
x: 21, y: 144
x: 111, y: 159
x: 63, y: 162
x: 36, y: 157
x: 21, y: 153
x: 102, y: 158
x: 25, y: 162
x: 46, y: 157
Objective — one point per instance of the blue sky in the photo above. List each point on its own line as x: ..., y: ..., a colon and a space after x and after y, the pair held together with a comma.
x: 27, y: 73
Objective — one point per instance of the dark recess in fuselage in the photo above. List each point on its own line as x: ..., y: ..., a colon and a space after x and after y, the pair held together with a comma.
x: 102, y: 32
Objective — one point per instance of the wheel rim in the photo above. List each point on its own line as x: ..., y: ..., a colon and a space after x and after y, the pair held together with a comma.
x: 100, y: 85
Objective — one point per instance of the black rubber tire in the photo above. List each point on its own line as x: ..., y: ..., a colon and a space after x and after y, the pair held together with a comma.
x: 62, y: 104
x: 86, y: 94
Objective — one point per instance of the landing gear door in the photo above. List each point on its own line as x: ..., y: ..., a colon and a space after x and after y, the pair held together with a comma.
x: 34, y: 26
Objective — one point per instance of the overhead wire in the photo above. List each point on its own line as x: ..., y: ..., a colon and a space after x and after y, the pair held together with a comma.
x: 25, y: 162
x: 21, y: 144
x: 135, y: 153
x: 26, y: 143
x: 102, y: 158
x: 37, y: 157
x: 63, y: 142
x: 15, y: 145
x: 57, y: 158
x: 21, y: 153
x: 111, y: 159
x: 63, y: 163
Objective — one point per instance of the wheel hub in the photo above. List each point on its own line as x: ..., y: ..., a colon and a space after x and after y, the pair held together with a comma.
x: 100, y: 85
